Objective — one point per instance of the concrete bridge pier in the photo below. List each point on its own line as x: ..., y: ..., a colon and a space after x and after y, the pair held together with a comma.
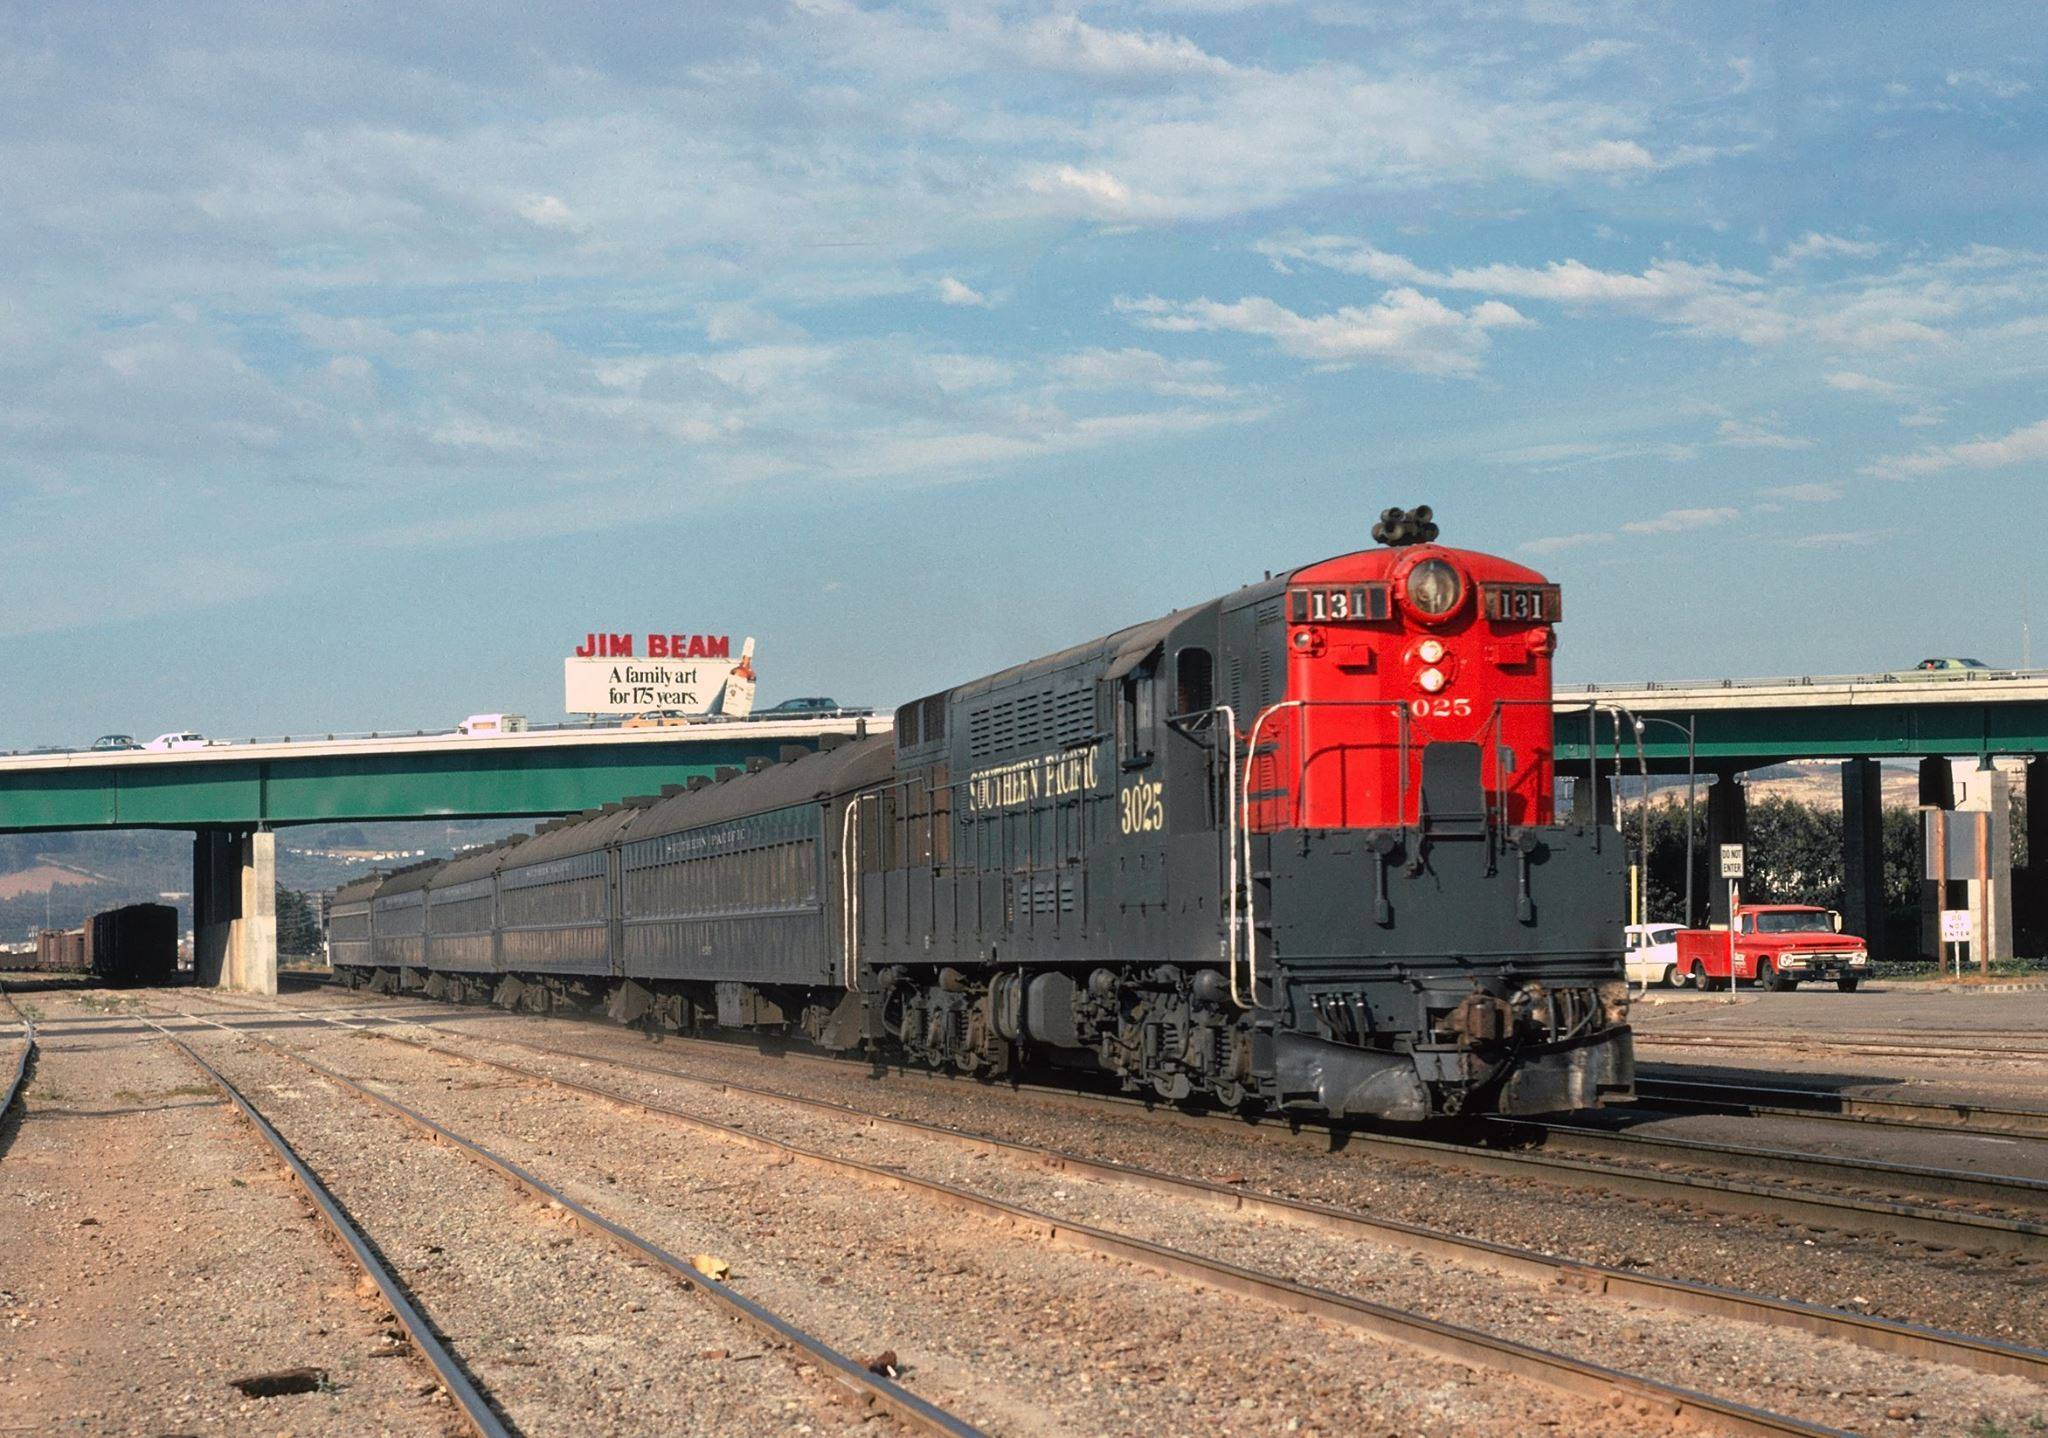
x: 234, y: 909
x: 2030, y: 885
x: 1863, y: 854
x: 1727, y: 823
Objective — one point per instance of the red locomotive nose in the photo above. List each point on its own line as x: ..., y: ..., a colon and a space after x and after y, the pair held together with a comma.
x: 1389, y: 651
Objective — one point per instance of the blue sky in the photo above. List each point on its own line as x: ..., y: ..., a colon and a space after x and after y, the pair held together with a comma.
x: 354, y: 363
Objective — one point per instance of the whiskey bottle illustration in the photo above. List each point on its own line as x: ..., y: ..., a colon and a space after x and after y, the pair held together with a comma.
x: 738, y: 700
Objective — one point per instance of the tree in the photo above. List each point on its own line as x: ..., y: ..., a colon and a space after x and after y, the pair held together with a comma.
x: 1795, y: 857
x: 298, y: 928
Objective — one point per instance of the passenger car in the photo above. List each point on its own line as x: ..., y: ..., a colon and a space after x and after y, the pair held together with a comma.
x: 183, y: 739
x: 113, y: 743
x: 1652, y: 956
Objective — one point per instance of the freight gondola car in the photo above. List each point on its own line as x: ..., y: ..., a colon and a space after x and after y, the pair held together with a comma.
x: 134, y: 944
x: 1294, y: 847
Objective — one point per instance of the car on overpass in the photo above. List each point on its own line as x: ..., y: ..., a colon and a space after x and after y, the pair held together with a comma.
x: 114, y: 743
x: 180, y: 739
x: 662, y: 719
x: 1947, y: 666
x: 812, y: 706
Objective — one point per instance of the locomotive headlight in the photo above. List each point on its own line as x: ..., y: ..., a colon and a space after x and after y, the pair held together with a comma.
x: 1429, y: 651
x: 1434, y: 588
x: 1431, y: 680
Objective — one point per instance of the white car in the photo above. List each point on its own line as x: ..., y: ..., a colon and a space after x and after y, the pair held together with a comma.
x: 163, y: 743
x: 1653, y: 955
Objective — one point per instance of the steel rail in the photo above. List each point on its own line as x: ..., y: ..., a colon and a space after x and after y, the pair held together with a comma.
x: 1777, y: 1102
x: 476, y: 1408
x: 1560, y: 1371
x: 917, y: 1413
x: 1882, y: 1217
x: 1905, y: 1047
x: 22, y: 1064
x: 1883, y: 1335
x: 2009, y: 1190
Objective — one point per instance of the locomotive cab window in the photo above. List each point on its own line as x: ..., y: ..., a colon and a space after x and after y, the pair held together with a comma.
x: 1194, y: 686
x: 1136, y: 714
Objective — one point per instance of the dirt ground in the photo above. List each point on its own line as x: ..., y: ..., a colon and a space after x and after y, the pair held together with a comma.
x: 151, y: 1252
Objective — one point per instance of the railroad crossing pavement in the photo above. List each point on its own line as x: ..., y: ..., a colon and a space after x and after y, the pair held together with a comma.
x: 1977, y: 1044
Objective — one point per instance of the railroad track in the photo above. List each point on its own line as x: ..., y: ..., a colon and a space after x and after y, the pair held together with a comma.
x: 1872, y: 1046
x: 1562, y: 1372
x: 915, y: 1413
x: 1742, y: 1194
x: 1706, y: 1095
x: 2007, y: 1191
x: 24, y: 1063
x: 476, y: 1408
x: 1934, y: 1345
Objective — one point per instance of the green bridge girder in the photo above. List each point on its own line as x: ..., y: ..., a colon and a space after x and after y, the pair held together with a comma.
x: 279, y: 785
x: 483, y: 780
x: 1731, y: 737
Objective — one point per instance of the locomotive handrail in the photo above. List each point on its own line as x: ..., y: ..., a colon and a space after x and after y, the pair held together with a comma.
x: 1251, y: 936
x: 849, y: 886
x: 1230, y: 839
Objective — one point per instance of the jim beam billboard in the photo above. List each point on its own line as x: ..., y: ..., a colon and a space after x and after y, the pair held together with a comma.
x: 686, y: 674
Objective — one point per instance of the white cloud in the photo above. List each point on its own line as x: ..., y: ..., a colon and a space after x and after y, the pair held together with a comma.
x: 1134, y: 368
x: 1603, y: 157
x: 1069, y: 43
x: 953, y: 292
x: 1575, y: 454
x: 1705, y: 299
x: 1747, y: 434
x: 1841, y: 538
x: 1851, y: 382
x: 1999, y: 87
x: 2025, y: 445
x: 1998, y: 296
x: 1094, y: 191
x: 549, y: 213
x: 1816, y: 246
x: 1677, y: 521
x: 1405, y: 330
x: 1806, y: 493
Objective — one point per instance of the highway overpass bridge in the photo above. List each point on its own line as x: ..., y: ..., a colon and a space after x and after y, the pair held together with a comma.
x: 235, y: 796
x: 1724, y: 728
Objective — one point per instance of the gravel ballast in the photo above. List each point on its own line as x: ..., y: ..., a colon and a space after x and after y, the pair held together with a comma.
x: 1825, y: 1381
x: 992, y: 1323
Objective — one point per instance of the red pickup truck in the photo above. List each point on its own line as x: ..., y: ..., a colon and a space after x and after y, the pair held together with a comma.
x: 1776, y: 945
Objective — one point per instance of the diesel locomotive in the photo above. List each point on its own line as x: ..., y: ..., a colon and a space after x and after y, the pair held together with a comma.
x: 1296, y: 847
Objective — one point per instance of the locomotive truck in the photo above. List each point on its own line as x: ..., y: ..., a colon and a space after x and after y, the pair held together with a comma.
x: 1296, y: 847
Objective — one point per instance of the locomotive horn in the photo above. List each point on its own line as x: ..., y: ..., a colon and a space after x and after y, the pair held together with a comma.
x: 1400, y: 527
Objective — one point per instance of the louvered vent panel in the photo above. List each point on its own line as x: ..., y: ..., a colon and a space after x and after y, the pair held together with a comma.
x: 1074, y: 716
